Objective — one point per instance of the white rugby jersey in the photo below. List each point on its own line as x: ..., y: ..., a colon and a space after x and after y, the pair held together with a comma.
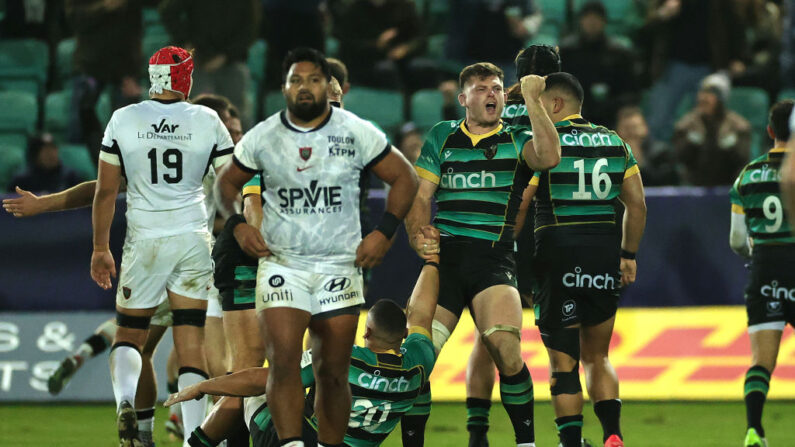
x: 311, y: 186
x: 164, y: 149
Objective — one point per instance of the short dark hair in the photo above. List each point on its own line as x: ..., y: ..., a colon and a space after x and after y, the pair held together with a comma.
x: 36, y: 143
x: 594, y: 7
x: 538, y: 60
x: 305, y: 54
x: 567, y: 83
x: 389, y: 319
x: 218, y: 103
x: 778, y: 119
x: 479, y: 70
x: 338, y: 70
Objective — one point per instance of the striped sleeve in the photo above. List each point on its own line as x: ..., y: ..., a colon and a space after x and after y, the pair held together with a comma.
x: 253, y: 186
x: 428, y: 163
x: 632, y: 167
x: 734, y: 195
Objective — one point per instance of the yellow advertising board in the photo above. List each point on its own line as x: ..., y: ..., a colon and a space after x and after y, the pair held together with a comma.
x: 699, y: 353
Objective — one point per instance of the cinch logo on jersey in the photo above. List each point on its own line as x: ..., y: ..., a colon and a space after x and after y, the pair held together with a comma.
x: 580, y: 280
x: 774, y: 291
x: 514, y: 110
x: 481, y: 179
x: 313, y: 200
x: 765, y: 174
x: 161, y: 129
x: 576, y: 138
x: 374, y: 382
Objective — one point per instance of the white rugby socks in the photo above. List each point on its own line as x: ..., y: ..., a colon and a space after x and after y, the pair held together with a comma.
x: 193, y: 411
x: 125, y: 369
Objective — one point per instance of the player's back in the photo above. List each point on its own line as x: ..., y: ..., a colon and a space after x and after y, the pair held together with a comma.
x: 580, y: 192
x: 165, y: 148
x: 757, y: 194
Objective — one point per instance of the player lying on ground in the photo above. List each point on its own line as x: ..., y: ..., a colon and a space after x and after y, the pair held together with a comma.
x: 386, y: 378
x: 760, y: 232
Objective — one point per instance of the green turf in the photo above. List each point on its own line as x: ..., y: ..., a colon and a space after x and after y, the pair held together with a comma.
x: 647, y: 424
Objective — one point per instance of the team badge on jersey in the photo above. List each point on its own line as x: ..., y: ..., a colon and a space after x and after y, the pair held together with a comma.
x: 490, y: 152
x: 127, y: 292
x: 305, y: 153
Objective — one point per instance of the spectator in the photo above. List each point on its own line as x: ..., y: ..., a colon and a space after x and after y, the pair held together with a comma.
x: 45, y: 172
x: 712, y: 143
x: 108, y: 54
x: 221, y: 33
x: 491, y: 30
x: 657, y: 166
x: 605, y: 68
x: 36, y: 19
x: 287, y: 25
x: 409, y: 142
x: 691, y: 39
x: 382, y: 41
x: 760, y: 67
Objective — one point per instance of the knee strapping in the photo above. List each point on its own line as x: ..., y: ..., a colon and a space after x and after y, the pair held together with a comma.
x: 440, y: 335
x: 566, y: 382
x: 565, y: 340
x: 189, y: 317
x: 503, y: 328
x: 131, y: 322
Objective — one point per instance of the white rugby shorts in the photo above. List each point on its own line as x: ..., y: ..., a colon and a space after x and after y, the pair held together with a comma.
x: 316, y: 293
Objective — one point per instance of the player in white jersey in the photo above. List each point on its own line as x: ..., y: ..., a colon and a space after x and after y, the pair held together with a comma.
x: 310, y: 245
x: 163, y: 147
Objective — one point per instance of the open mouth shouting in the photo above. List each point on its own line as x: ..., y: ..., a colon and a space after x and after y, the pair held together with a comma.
x: 491, y: 107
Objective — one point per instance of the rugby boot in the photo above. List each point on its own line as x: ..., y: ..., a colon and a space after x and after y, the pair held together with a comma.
x: 61, y: 376
x: 614, y: 441
x: 752, y: 439
x: 127, y: 424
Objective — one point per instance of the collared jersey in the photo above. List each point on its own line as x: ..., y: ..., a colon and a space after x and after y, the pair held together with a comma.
x: 165, y: 149
x: 480, y: 178
x: 757, y: 194
x: 582, y: 188
x: 311, y: 186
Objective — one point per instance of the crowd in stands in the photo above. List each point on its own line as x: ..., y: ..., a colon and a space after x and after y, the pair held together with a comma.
x: 687, y: 83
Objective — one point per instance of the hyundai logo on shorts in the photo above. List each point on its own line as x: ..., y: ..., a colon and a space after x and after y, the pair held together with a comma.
x: 337, y: 284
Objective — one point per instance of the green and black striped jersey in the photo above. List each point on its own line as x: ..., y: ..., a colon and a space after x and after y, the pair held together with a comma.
x: 515, y: 112
x: 480, y: 178
x: 384, y: 386
x: 756, y: 194
x: 583, y: 187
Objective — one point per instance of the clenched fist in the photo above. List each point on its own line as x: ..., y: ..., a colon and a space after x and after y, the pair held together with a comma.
x: 533, y: 86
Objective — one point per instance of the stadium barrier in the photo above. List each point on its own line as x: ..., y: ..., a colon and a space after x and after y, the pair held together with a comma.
x: 684, y: 259
x: 659, y: 354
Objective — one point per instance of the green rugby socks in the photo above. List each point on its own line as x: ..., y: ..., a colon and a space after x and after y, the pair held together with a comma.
x: 516, y: 393
x: 757, y: 383
x: 478, y: 421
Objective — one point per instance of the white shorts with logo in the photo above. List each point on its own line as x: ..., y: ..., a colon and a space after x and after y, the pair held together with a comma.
x: 181, y: 264
x: 316, y: 293
x: 163, y: 316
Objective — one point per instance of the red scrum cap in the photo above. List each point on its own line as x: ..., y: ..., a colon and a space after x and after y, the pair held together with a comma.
x: 170, y: 68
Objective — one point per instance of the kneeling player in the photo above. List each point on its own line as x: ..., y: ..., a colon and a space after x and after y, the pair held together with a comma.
x: 758, y: 214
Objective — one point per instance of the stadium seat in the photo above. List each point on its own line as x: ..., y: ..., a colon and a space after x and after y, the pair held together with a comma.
x: 18, y: 113
x: 332, y: 47
x: 257, y: 54
x: 27, y: 85
x: 56, y: 114
x: 426, y: 107
x: 273, y: 103
x: 12, y: 162
x: 436, y: 45
x: 150, y: 16
x: 154, y: 39
x: 543, y: 39
x: 24, y: 59
x: 786, y: 94
x: 385, y: 107
x: 64, y: 56
x: 752, y: 103
x: 77, y: 157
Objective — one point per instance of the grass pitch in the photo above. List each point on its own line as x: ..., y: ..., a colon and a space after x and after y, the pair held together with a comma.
x: 645, y: 424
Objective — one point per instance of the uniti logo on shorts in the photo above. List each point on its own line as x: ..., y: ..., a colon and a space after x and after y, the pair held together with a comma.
x: 774, y: 291
x: 580, y: 280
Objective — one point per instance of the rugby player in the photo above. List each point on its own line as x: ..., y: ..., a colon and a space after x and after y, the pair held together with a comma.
x: 539, y: 60
x: 477, y: 168
x: 377, y: 404
x: 163, y: 147
x: 788, y: 178
x: 581, y: 262
x: 310, y: 245
x: 760, y: 232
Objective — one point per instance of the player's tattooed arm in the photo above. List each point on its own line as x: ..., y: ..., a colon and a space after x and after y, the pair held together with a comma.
x: 422, y: 303
x: 248, y: 382
x: 543, y: 151
x: 228, y: 185
x: 395, y: 170
x: 420, y: 215
x: 634, y: 200
x: 107, y: 188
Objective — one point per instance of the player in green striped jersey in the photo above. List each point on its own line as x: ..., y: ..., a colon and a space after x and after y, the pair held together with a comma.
x: 582, y: 262
x: 477, y: 169
x: 758, y: 215
x: 387, y: 377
